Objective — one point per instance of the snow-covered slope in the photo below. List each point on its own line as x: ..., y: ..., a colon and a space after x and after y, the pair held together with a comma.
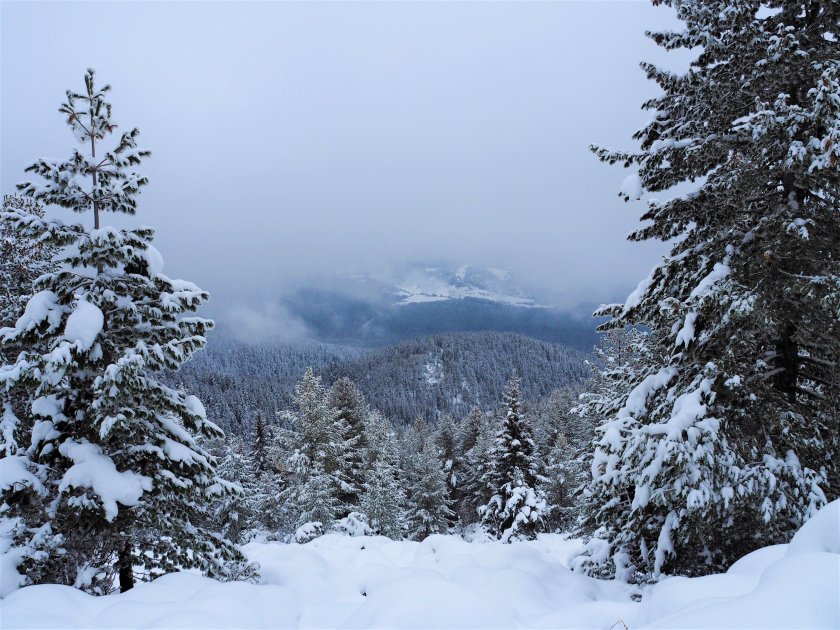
x: 415, y: 284
x: 444, y: 582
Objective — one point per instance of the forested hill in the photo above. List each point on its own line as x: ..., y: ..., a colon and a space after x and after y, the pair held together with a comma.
x: 445, y: 373
x: 449, y: 373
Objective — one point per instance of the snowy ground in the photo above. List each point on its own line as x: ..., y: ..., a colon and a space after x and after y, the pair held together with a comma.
x: 444, y: 582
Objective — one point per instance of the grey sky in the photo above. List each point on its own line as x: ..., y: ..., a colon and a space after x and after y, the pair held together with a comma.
x: 292, y: 140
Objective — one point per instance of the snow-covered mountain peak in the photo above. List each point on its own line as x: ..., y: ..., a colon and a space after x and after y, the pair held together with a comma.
x: 415, y: 284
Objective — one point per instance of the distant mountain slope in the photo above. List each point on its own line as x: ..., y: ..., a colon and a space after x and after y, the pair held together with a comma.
x: 422, y: 283
x: 343, y: 318
x: 445, y: 373
x: 234, y: 379
x: 449, y: 373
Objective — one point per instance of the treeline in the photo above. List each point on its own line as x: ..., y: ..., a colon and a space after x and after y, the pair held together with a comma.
x: 341, y: 465
x: 429, y: 377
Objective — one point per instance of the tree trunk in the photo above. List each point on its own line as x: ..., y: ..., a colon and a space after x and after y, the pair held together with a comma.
x: 125, y: 568
x: 788, y: 361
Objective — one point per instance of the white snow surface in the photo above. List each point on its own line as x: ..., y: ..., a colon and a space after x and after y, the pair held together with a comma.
x: 444, y: 582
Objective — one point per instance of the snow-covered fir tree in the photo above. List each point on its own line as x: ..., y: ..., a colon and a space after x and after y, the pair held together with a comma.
x: 22, y: 261
x: 727, y: 438
x: 351, y: 412
x: 239, y: 510
x: 113, y: 452
x: 261, y: 445
x: 563, y: 435
x: 517, y: 507
x: 562, y: 477
x: 268, y: 481
x: 383, y: 496
x: 478, y: 430
x: 24, y: 495
x: 428, y: 504
x: 446, y: 440
x: 318, y: 457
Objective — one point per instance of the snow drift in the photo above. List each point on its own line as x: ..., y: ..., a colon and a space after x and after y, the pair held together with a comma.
x: 444, y: 582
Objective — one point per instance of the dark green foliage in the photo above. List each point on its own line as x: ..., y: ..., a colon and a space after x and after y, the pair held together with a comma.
x: 517, y: 507
x: 723, y: 437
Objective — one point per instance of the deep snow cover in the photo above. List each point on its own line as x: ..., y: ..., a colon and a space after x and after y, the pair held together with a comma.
x: 444, y: 582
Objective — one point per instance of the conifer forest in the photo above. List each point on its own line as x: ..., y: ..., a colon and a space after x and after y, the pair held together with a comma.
x: 434, y: 386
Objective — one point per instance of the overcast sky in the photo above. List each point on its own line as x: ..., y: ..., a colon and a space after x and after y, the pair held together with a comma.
x: 297, y: 140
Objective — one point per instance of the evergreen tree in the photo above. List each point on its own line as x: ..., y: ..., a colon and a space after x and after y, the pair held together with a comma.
x: 268, y: 482
x: 446, y: 440
x: 470, y: 429
x: 121, y: 464
x: 318, y: 457
x: 261, y: 445
x: 316, y: 499
x: 351, y: 412
x: 383, y: 496
x: 22, y: 261
x: 478, y: 433
x: 516, y: 509
x: 428, y: 505
x: 562, y: 474
x: 239, y: 509
x: 726, y: 439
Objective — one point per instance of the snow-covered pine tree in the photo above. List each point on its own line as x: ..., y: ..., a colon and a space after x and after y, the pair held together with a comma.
x: 477, y: 434
x: 23, y: 493
x: 382, y: 497
x: 352, y: 411
x: 728, y: 439
x: 22, y: 261
x: 117, y: 450
x: 446, y: 440
x: 318, y: 456
x: 517, y: 507
x: 261, y: 442
x: 562, y: 478
x: 268, y: 482
x: 239, y: 510
x: 428, y: 504
x: 316, y: 499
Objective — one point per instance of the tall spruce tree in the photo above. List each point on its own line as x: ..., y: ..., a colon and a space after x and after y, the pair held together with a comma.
x: 318, y: 457
x: 238, y: 511
x: 351, y: 412
x: 382, y: 497
x: 428, y: 504
x: 261, y: 442
x: 446, y: 440
x: 115, y: 451
x: 477, y: 434
x: 517, y: 507
x: 726, y: 437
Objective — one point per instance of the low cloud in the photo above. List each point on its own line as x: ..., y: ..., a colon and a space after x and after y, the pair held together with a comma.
x: 268, y: 323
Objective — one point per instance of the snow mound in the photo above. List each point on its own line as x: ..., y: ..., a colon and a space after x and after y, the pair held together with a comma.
x: 821, y: 533
x: 338, y: 581
x: 84, y: 324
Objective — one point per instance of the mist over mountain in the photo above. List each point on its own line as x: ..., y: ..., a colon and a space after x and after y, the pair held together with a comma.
x: 411, y: 301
